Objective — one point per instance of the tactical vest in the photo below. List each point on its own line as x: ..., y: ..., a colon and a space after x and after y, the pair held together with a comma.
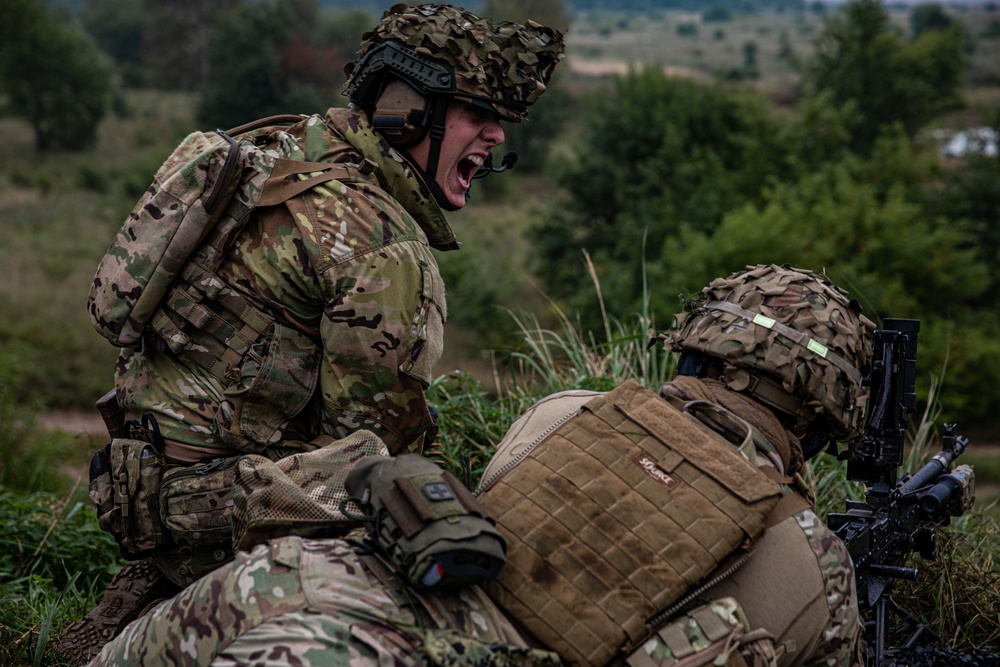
x: 158, y: 280
x: 615, y: 511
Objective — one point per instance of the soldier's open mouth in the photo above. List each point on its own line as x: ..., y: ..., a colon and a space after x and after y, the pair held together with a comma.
x: 467, y: 168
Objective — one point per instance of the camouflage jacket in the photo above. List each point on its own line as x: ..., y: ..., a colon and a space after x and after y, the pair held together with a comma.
x: 318, y: 602
x: 347, y: 272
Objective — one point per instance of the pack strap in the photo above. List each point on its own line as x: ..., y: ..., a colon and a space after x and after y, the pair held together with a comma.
x: 280, y: 119
x: 788, y: 505
x: 283, y: 184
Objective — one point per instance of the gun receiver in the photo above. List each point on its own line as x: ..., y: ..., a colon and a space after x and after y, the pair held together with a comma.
x: 896, y: 517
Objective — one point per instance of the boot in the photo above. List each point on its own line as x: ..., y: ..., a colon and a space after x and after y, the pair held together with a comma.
x: 131, y: 590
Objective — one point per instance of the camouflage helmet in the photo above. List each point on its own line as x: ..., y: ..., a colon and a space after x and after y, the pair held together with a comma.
x: 787, y: 336
x: 443, y: 50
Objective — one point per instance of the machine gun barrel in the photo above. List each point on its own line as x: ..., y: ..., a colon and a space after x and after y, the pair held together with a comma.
x: 896, y: 518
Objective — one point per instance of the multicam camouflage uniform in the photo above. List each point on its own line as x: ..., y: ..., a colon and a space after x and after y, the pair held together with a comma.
x: 303, y: 602
x: 346, y: 264
x: 346, y: 271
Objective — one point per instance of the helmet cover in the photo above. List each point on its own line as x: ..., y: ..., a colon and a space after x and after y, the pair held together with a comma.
x: 503, y: 64
x: 791, y: 325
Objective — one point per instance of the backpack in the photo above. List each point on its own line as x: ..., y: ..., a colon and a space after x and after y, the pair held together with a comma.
x: 179, y: 232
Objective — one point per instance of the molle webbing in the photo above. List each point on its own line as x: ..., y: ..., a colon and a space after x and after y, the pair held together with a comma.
x: 618, y: 512
x: 202, y: 318
x: 208, y: 322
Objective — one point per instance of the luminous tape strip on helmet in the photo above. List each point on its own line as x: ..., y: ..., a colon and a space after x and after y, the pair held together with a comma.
x: 805, y: 341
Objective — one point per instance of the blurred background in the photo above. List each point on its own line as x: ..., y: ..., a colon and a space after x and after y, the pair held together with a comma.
x: 679, y: 141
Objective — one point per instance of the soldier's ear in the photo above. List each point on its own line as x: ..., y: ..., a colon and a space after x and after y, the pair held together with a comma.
x: 401, y: 114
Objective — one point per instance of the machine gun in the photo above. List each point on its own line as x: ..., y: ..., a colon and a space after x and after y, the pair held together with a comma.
x: 896, y: 517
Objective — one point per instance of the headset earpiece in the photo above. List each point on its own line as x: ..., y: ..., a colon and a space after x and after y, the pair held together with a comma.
x: 401, y: 114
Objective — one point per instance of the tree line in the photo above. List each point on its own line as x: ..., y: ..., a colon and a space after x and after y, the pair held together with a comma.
x: 671, y: 181
x: 706, y: 178
x: 63, y: 71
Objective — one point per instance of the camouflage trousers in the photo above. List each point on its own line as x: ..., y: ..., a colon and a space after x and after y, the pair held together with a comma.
x: 296, y: 601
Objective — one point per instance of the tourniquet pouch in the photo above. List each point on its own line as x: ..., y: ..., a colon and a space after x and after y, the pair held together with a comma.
x: 196, y: 502
x: 716, y: 633
x: 613, y: 515
x: 126, y: 497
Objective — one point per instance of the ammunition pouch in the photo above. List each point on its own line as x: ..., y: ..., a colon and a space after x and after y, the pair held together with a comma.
x: 430, y: 526
x: 124, y: 484
x: 196, y: 502
x: 146, y: 504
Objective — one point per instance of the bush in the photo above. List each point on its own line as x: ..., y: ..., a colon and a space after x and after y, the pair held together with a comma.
x: 63, y: 98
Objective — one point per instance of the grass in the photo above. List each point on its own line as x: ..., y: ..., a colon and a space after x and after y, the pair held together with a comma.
x: 60, y: 211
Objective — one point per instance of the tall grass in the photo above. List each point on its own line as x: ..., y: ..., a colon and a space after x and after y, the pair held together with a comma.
x: 955, y: 596
x: 54, y: 560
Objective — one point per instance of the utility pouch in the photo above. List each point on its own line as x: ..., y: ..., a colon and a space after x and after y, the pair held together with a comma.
x: 272, y: 385
x: 430, y: 526
x: 133, y: 514
x: 196, y: 502
x: 716, y: 633
x: 101, y: 492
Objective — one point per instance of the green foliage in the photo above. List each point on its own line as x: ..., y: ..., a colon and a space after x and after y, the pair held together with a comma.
x: 655, y: 155
x: 863, y: 61
x: 475, y: 296
x: 929, y: 16
x: 971, y: 194
x: 342, y: 29
x: 175, y: 41
x: 991, y: 30
x: 64, y: 98
x: 265, y: 61
x: 957, y: 594
x: 54, y: 564
x: 687, y: 29
x: 118, y: 26
x: 862, y: 229
x: 28, y: 455
x: 867, y: 235
x: 246, y: 80
x: 43, y: 536
x: 717, y: 14
x: 533, y: 139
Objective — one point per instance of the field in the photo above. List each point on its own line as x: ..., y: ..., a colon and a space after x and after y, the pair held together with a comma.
x: 59, y: 211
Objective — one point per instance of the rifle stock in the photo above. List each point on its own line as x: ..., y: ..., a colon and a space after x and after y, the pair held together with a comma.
x: 897, y: 517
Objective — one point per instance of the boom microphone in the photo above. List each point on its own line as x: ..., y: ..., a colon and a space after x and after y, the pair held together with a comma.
x: 508, y: 161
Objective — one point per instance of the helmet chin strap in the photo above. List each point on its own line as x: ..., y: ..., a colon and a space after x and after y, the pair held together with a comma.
x: 436, y: 131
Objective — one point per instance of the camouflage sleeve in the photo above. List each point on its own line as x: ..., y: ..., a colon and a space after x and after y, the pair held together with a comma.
x: 384, y: 310
x: 348, y: 264
x: 842, y: 634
